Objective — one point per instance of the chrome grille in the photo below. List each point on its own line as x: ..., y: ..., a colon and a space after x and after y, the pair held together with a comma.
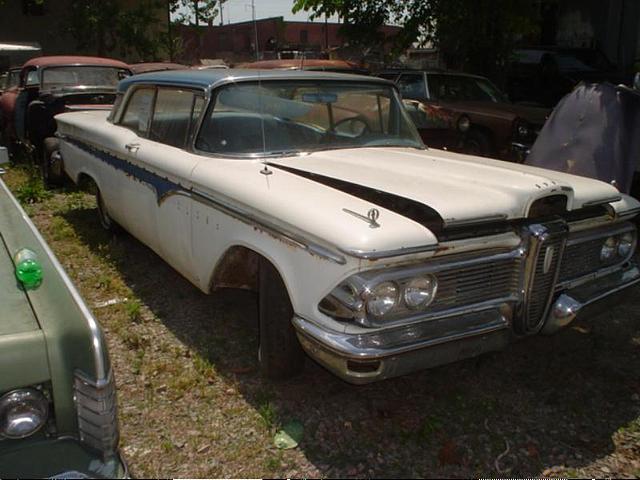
x: 477, y: 283
x: 543, y: 264
x: 543, y: 283
x: 581, y: 259
x: 97, y: 413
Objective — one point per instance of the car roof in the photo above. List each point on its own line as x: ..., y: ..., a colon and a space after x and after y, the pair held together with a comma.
x: 146, y: 67
x: 209, y: 78
x: 300, y: 63
x: 429, y: 71
x: 60, y: 60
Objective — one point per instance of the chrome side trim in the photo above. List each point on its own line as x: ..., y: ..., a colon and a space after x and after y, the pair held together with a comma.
x: 247, y: 217
x: 99, y: 353
x: 379, y: 254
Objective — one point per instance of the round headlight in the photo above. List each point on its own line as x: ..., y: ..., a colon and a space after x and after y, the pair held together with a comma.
x: 22, y: 413
x: 464, y: 123
x: 609, y: 249
x: 625, y: 245
x: 420, y: 291
x: 523, y: 130
x: 382, y: 299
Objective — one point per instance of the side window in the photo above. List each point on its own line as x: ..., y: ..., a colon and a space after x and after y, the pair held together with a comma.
x: 172, y: 116
x: 412, y: 86
x: 32, y: 78
x: 137, y: 116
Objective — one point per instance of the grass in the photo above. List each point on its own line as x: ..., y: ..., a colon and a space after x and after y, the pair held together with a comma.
x: 32, y: 189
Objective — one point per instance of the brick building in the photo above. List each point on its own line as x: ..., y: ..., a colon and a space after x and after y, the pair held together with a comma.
x: 236, y: 42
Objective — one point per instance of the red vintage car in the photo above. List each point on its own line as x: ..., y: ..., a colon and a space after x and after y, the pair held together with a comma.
x: 339, y: 66
x: 52, y: 85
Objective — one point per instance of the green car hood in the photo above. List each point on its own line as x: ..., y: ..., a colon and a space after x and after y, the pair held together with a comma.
x: 50, y: 334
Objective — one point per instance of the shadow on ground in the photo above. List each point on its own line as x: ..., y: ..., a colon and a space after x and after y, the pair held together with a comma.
x: 544, y: 401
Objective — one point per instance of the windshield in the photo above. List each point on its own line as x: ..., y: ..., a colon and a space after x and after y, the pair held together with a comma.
x: 276, y: 117
x: 75, y: 76
x: 583, y: 60
x: 462, y: 88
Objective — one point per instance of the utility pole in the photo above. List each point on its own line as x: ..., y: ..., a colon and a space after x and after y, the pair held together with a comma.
x: 255, y: 26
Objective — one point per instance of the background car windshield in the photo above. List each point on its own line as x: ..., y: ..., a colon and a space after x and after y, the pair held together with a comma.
x: 287, y: 117
x: 61, y: 77
x: 463, y: 88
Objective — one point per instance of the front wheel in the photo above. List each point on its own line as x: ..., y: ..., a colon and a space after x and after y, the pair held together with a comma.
x: 51, y: 163
x: 477, y: 143
x: 281, y: 355
x: 105, y: 220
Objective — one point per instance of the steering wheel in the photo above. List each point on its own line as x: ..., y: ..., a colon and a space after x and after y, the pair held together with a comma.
x: 354, y: 131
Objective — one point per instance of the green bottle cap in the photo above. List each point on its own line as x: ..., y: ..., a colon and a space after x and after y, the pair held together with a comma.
x: 28, y: 268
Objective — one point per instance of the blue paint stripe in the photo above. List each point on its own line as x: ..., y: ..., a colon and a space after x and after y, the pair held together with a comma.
x: 161, y: 185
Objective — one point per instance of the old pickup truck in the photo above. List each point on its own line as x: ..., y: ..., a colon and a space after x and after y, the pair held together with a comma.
x: 372, y: 253
x: 58, y: 413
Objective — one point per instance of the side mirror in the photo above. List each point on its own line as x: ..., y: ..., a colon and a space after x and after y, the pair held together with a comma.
x: 636, y: 81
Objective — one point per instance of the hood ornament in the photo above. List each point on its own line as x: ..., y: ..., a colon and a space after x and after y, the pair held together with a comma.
x: 371, y: 218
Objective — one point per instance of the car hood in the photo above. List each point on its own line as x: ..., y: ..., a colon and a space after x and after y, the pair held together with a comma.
x: 328, y: 194
x: 17, y: 316
x: 507, y: 111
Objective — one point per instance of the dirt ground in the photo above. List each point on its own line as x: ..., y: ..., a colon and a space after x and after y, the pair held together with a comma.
x: 192, y: 403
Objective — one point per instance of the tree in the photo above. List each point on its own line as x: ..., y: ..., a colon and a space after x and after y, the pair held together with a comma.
x: 198, y: 11
x: 107, y: 27
x: 475, y: 35
x: 133, y: 29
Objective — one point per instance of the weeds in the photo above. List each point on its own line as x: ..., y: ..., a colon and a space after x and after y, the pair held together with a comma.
x: 134, y: 310
x: 267, y: 414
x: 33, y: 189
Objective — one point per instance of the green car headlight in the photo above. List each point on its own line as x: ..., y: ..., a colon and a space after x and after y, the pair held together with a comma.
x: 22, y: 413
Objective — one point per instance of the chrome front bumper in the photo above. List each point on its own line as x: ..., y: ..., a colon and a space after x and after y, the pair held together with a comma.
x: 583, y: 299
x: 367, y: 357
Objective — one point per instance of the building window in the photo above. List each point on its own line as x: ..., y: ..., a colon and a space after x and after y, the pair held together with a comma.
x: 304, y: 36
x: 33, y: 7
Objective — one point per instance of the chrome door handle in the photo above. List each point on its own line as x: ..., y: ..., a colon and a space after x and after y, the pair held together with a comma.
x: 132, y: 147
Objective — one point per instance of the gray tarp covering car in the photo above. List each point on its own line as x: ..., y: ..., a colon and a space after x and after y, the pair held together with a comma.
x: 595, y: 132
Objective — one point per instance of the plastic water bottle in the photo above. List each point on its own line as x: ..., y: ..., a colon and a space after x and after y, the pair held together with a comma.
x: 28, y: 268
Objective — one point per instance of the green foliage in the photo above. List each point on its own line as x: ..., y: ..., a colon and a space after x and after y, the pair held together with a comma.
x: 474, y: 35
x: 108, y: 27
x: 33, y: 189
x: 196, y: 12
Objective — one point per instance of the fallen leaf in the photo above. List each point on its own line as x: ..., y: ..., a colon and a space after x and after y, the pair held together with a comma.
x: 290, y: 435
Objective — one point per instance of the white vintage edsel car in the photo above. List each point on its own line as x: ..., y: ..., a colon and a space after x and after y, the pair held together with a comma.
x: 372, y: 253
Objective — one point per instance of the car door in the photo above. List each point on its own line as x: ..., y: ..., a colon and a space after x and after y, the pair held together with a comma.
x: 167, y: 155
x: 130, y: 190
x: 24, y: 95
